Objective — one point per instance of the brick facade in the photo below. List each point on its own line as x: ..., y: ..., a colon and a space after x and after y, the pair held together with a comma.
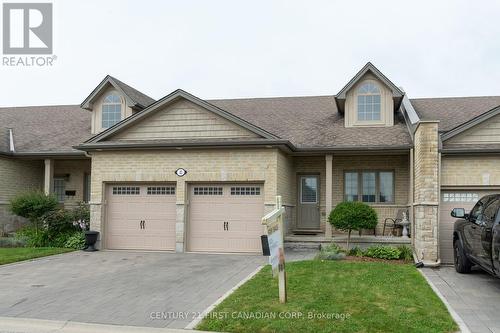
x: 17, y: 176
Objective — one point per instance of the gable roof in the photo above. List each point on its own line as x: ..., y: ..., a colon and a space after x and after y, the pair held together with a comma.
x: 397, y: 93
x: 170, y: 98
x: 471, y: 123
x: 48, y: 130
x: 369, y: 67
x: 134, y: 97
x: 453, y: 111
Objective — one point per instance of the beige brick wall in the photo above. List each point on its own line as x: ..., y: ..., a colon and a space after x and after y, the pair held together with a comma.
x: 238, y: 165
x: 76, y: 170
x: 285, y: 188
x: 17, y: 176
x: 426, y: 192
x: 397, y: 163
x: 474, y: 170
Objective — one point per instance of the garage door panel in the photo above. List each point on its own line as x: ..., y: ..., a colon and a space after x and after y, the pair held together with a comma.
x: 128, y: 204
x: 454, y: 199
x: 243, y: 212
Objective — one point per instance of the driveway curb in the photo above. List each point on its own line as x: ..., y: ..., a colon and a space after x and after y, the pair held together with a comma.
x: 28, y: 325
x: 197, y: 320
x: 460, y: 322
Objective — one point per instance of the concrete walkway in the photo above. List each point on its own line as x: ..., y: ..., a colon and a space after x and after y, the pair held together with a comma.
x: 475, y: 297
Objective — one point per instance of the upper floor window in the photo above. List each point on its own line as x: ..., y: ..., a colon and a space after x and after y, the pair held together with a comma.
x: 111, y: 110
x: 368, y: 102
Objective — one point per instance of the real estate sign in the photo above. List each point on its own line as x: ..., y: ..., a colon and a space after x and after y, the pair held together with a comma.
x: 275, y: 244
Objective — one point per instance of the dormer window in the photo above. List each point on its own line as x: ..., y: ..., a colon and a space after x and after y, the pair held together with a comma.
x: 111, y: 110
x: 369, y: 102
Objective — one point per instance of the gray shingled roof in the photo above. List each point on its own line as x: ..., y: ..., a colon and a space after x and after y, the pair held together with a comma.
x: 312, y: 122
x: 4, y: 140
x: 453, y: 111
x: 307, y: 122
x: 135, y: 95
x: 52, y: 129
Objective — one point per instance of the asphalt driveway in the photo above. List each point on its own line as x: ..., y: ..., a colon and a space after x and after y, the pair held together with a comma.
x: 153, y: 289
x: 475, y: 297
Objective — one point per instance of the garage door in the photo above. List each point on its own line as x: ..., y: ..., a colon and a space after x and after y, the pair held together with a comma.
x: 454, y: 199
x: 140, y: 217
x: 225, y: 218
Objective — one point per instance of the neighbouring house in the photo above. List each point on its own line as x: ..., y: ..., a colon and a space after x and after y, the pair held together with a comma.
x: 186, y: 174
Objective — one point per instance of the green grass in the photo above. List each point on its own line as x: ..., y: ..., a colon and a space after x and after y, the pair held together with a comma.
x: 9, y: 255
x: 371, y: 296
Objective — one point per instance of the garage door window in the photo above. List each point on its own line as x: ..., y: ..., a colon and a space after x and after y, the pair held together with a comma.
x: 246, y: 190
x: 460, y: 197
x: 207, y: 190
x: 161, y: 190
x: 126, y: 190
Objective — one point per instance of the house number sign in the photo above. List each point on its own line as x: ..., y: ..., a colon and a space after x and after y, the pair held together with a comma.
x: 180, y: 172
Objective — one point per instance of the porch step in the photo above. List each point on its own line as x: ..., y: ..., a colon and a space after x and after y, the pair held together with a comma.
x: 307, y: 231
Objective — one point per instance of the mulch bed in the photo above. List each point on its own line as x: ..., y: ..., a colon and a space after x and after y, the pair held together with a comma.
x: 368, y: 259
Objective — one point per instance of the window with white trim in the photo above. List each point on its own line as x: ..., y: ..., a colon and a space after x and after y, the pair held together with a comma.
x: 460, y: 197
x: 111, y: 110
x: 369, y: 186
x: 60, y: 189
x: 126, y: 190
x: 245, y: 190
x: 161, y: 190
x: 369, y: 101
x: 207, y: 190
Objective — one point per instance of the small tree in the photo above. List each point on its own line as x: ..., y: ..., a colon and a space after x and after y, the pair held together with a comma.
x: 348, y: 216
x: 34, y: 206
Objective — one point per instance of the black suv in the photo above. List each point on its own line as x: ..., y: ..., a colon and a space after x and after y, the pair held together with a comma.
x: 476, y: 236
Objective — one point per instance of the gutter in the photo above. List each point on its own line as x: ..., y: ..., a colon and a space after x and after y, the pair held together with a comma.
x: 286, y: 143
x: 43, y: 154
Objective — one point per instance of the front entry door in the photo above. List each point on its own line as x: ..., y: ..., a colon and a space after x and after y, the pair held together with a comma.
x: 308, y: 202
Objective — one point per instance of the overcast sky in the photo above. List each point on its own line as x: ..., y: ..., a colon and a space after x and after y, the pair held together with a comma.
x: 231, y: 49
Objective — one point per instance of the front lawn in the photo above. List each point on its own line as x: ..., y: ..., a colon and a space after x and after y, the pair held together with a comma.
x: 342, y: 296
x: 9, y: 255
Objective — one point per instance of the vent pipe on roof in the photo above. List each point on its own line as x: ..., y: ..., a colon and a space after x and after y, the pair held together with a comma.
x: 11, y: 141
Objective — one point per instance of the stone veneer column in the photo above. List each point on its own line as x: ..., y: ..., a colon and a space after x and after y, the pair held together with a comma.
x: 180, y: 222
x: 329, y: 194
x: 426, y: 192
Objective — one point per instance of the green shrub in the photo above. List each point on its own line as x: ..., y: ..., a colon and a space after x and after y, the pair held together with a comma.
x: 33, y: 237
x: 33, y: 205
x: 406, y: 253
x: 80, y: 216
x: 323, y: 255
x: 75, y: 241
x: 331, y: 252
x: 383, y: 252
x: 356, y: 252
x: 348, y: 216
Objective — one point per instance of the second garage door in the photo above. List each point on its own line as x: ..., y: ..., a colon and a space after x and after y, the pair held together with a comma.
x: 225, y: 217
x: 140, y: 217
x: 454, y: 199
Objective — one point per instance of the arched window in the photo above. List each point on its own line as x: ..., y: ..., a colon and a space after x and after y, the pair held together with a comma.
x: 368, y: 102
x: 111, y: 110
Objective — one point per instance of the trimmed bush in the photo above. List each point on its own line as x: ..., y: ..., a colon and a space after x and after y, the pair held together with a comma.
x: 34, y: 206
x: 11, y: 242
x: 348, y: 216
x: 383, y: 252
x: 331, y: 252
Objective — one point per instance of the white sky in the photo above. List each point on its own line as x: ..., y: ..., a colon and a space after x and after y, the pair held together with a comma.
x: 230, y: 49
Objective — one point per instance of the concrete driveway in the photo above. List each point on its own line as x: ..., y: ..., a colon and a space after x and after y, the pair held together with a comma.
x: 475, y: 297
x: 154, y: 289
